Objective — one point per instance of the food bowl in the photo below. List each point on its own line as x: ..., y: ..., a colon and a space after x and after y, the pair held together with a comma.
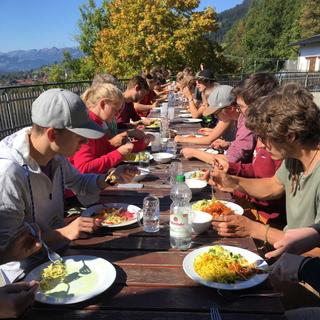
x: 162, y: 157
x: 201, y: 222
x: 143, y: 172
x: 196, y: 185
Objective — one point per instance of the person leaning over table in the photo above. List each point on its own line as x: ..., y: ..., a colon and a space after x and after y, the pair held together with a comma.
x: 241, y: 149
x: 137, y: 88
x: 104, y: 102
x: 34, y: 172
x: 16, y: 298
x: 221, y: 99
x: 205, y: 84
x: 288, y: 123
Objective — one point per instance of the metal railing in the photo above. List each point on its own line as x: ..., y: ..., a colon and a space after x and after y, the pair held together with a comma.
x: 16, y: 101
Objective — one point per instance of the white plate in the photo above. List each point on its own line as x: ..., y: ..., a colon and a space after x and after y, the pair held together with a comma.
x: 185, y: 115
x: 233, y: 206
x: 129, y: 207
x: 192, y: 120
x: 210, y: 150
x: 79, y: 287
x: 239, y: 285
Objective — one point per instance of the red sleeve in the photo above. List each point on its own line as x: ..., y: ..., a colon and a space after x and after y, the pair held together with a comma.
x: 86, y: 159
x: 241, y: 169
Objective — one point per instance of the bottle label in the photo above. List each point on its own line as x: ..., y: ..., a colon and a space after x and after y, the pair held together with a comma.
x: 179, y: 225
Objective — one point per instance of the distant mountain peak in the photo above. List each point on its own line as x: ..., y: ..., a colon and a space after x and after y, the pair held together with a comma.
x: 24, y: 60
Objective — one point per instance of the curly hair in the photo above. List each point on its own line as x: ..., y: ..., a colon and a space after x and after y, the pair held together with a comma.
x: 288, y: 111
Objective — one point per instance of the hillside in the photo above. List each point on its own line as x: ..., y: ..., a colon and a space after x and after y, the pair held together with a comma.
x: 228, y: 17
x: 23, y: 60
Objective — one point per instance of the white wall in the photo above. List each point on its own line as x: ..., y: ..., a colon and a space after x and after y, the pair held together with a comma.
x: 309, y: 51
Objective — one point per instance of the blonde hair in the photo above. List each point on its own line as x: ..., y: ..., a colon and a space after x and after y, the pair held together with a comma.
x: 105, y: 90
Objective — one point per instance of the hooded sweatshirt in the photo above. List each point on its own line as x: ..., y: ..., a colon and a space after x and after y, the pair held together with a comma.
x: 28, y: 194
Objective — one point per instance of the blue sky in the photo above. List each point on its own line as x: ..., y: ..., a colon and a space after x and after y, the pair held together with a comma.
x: 36, y: 24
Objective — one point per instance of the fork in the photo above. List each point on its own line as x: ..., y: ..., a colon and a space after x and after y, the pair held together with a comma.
x: 84, y: 269
x: 52, y: 255
x: 215, y: 314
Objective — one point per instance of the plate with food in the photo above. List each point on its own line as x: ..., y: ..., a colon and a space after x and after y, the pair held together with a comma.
x: 75, y: 279
x: 225, y: 267
x: 142, y: 156
x: 155, y: 124
x: 217, y: 207
x: 191, y: 120
x: 192, y: 136
x: 210, y: 150
x: 196, y: 174
x: 185, y: 115
x: 114, y: 214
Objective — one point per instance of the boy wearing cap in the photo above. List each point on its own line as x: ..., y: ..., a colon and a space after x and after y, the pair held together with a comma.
x: 222, y: 104
x: 34, y: 170
x: 222, y: 98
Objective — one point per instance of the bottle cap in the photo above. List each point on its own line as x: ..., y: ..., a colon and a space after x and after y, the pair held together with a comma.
x: 180, y: 178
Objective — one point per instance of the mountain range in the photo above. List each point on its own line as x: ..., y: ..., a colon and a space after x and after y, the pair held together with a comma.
x: 24, y: 60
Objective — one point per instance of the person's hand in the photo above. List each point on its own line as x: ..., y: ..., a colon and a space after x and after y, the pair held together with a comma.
x: 178, y: 138
x: 155, y: 104
x: 187, y: 93
x: 296, y: 241
x: 221, y: 163
x: 119, y: 139
x: 126, y: 148
x: 222, y: 181
x: 233, y: 225
x: 287, y: 267
x: 220, y: 144
x: 148, y: 138
x: 204, y: 131
x: 136, y: 134
x: 21, y: 247
x: 82, y: 224
x: 125, y: 173
x: 187, y: 152
x: 146, y: 121
x: 15, y: 298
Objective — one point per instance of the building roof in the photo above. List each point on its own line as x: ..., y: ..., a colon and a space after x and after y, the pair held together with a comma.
x: 304, y: 42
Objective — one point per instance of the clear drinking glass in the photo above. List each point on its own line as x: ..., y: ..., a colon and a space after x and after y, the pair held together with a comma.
x: 172, y: 147
x: 151, y: 214
x: 175, y: 169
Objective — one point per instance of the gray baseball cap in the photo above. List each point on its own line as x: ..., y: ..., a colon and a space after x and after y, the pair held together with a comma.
x: 221, y: 97
x: 63, y: 109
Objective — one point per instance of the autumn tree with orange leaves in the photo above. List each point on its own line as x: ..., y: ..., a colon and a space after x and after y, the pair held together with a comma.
x: 139, y: 34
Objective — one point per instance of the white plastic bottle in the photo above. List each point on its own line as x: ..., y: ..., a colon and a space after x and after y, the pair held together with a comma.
x: 180, y: 215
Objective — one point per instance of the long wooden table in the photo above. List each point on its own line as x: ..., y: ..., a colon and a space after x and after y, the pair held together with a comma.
x: 150, y: 282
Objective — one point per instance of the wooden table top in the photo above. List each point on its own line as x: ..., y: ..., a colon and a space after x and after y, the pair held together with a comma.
x: 150, y: 281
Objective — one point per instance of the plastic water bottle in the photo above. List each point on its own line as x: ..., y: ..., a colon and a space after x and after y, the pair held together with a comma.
x: 180, y: 215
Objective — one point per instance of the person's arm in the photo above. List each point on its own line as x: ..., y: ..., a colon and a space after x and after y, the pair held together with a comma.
x: 296, y: 268
x: 15, y: 298
x: 189, y: 153
x: 241, y: 226
x: 139, y: 107
x: 262, y: 189
x: 216, y: 132
x: 296, y: 241
x: 21, y: 247
x: 86, y: 160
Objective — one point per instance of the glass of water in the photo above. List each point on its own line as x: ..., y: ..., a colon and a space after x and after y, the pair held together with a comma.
x: 151, y: 214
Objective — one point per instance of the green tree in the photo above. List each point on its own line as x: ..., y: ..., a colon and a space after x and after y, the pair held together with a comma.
x: 140, y: 33
x: 310, y: 18
x: 262, y: 37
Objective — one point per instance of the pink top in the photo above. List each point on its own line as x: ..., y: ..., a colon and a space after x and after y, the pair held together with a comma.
x: 241, y: 148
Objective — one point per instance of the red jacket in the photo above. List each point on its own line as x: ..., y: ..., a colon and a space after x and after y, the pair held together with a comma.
x: 262, y: 166
x: 98, y: 155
